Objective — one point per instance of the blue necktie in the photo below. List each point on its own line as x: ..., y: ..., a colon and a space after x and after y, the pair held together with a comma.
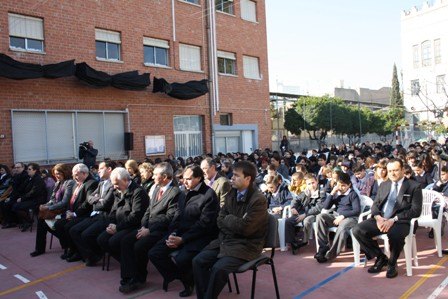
x: 391, y: 202
x: 239, y: 196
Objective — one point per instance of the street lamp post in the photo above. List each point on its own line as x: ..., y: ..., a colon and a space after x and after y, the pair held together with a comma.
x: 359, y: 116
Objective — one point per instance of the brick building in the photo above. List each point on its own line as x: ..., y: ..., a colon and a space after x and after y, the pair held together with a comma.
x: 44, y: 120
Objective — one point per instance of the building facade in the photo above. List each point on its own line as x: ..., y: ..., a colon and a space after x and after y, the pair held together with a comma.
x: 424, y: 58
x: 222, y: 41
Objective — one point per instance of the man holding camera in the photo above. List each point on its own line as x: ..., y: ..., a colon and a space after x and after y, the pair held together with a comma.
x: 88, y: 153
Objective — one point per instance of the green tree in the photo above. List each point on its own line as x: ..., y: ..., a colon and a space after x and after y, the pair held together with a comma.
x: 396, y: 99
x: 293, y: 121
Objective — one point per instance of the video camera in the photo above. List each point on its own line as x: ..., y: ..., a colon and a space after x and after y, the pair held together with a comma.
x: 82, y: 148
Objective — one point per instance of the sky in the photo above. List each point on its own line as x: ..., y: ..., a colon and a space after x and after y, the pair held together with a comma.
x: 317, y: 45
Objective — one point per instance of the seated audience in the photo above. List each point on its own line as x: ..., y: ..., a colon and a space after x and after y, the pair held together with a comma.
x: 298, y: 183
x: 278, y: 195
x: 19, y: 182
x: 132, y: 167
x: 214, y: 180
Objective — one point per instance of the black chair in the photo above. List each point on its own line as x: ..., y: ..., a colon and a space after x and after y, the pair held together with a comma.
x: 271, y: 242
x: 106, y: 261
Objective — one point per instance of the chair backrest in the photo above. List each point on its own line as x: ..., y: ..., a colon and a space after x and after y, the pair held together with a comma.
x: 271, y: 240
x: 365, y: 201
x: 429, y: 196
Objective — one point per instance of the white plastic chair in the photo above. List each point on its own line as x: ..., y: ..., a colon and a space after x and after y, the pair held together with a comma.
x: 426, y: 220
x: 281, y: 228
x: 365, y: 201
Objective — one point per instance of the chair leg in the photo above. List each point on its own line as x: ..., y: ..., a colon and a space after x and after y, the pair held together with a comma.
x: 236, y: 283
x: 104, y: 261
x: 51, y: 241
x: 414, y: 251
x: 274, y: 276
x: 108, y: 261
x: 229, y: 285
x: 254, y: 278
x: 408, y: 254
x: 281, y: 234
x: 438, y: 239
x: 315, y: 236
x: 356, y: 250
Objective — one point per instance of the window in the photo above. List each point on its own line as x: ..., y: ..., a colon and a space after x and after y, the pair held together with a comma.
x: 192, y: 1
x: 426, y: 53
x: 416, y: 56
x: 53, y: 136
x: 251, y: 67
x: 188, y: 135
x: 225, y: 119
x: 437, y: 52
x: 155, y: 51
x: 224, y: 6
x: 190, y: 58
x: 415, y: 87
x: 26, y: 33
x: 107, y: 44
x: 226, y: 63
x: 248, y: 10
x: 440, y: 84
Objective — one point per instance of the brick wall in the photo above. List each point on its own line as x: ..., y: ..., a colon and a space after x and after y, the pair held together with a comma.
x: 69, y: 30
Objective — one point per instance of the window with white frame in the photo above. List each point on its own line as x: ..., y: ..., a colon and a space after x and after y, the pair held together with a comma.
x: 251, y: 67
x: 416, y: 56
x: 426, y: 53
x: 191, y: 1
x: 155, y: 51
x: 188, y: 135
x: 437, y: 52
x: 107, y: 44
x: 224, y: 6
x: 49, y: 137
x: 249, y: 10
x: 26, y: 33
x: 226, y: 63
x: 190, y: 57
x: 440, y: 84
x: 415, y: 87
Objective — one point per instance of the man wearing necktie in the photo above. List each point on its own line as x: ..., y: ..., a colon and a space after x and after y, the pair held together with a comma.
x: 398, y: 201
x: 242, y: 223
x: 220, y: 184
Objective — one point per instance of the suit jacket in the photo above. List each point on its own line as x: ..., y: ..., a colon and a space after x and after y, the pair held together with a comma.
x: 242, y: 226
x: 221, y: 186
x: 409, y: 200
x: 195, y: 217
x: 66, y: 191
x: 160, y: 213
x: 443, y: 188
x: 102, y: 202
x: 81, y: 207
x: 129, y: 207
x: 35, y: 190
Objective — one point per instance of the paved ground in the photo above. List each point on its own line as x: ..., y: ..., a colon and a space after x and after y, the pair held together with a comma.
x: 299, y: 276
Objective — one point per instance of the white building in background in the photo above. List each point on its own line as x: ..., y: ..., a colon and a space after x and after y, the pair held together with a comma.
x: 424, y: 58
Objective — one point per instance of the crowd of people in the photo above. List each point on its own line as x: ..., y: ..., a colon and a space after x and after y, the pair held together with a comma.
x: 199, y: 219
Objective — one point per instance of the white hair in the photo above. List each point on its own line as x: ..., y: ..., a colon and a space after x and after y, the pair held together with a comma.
x: 80, y: 168
x: 120, y: 173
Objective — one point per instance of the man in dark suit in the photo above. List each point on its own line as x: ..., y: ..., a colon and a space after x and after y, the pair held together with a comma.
x: 131, y: 202
x: 192, y: 228
x: 242, y: 222
x: 154, y: 225
x: 76, y: 211
x: 214, y: 180
x: 397, y: 202
x: 84, y: 234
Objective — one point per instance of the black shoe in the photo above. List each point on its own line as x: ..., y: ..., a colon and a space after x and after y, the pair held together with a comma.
x: 25, y: 227
x: 165, y: 285
x: 92, y: 261
x: 66, y: 254
x: 36, y: 253
x: 444, y: 251
x: 188, y: 291
x: 391, y: 271
x: 127, y: 288
x: 74, y: 258
x: 321, y: 259
x: 431, y: 234
x: 294, y: 248
x: 380, y: 262
x: 9, y: 225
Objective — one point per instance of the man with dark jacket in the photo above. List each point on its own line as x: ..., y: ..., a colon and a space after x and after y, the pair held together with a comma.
x: 154, y: 225
x: 88, y: 153
x: 76, y: 211
x: 19, y: 181
x: 243, y: 223
x: 131, y: 202
x: 84, y: 233
x: 192, y: 228
x: 397, y: 202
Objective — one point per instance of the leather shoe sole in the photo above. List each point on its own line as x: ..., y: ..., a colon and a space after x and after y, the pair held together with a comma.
x: 391, y: 272
x: 378, y: 266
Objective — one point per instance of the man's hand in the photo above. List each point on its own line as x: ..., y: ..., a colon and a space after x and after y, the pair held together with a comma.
x: 379, y: 221
x: 43, y: 208
x: 294, y: 211
x: 335, y: 189
x: 111, y: 229
x: 174, y: 241
x: 386, y: 225
x: 300, y: 218
x: 69, y: 215
x: 338, y: 220
x: 142, y: 232
x: 277, y: 210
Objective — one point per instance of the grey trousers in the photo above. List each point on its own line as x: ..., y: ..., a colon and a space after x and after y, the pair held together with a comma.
x: 324, y: 222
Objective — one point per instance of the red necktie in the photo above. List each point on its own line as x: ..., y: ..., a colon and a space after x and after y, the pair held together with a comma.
x: 74, y: 196
x: 159, y: 196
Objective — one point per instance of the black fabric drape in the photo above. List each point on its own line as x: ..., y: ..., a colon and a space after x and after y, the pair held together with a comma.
x: 181, y: 91
x: 131, y: 80
x: 13, y: 69
x: 91, y: 76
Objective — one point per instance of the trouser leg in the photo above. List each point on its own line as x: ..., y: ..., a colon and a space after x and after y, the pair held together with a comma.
x: 364, y: 233
x: 324, y: 222
x: 340, y: 238
x: 308, y: 227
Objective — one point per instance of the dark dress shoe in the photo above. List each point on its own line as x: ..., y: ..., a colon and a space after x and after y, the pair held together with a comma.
x: 380, y: 262
x: 445, y: 251
x: 294, y: 248
x: 187, y: 292
x: 74, y: 258
x: 25, y: 227
x: 36, y: 253
x: 431, y: 234
x: 92, y: 261
x: 9, y: 225
x: 321, y: 259
x: 391, y: 271
x: 127, y: 288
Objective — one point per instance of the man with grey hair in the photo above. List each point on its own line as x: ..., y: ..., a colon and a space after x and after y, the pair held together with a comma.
x: 154, y: 225
x: 131, y: 202
x: 85, y: 185
x: 220, y: 184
